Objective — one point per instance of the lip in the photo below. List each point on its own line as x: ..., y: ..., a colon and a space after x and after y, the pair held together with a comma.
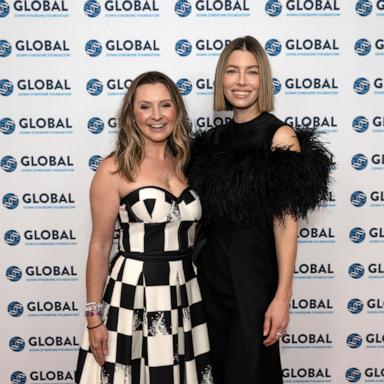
x: 241, y: 93
x: 157, y: 126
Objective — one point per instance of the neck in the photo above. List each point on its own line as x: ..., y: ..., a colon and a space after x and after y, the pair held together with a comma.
x: 157, y: 151
x: 244, y: 115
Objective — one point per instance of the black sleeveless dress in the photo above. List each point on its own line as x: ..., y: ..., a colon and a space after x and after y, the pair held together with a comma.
x: 243, y: 185
x: 157, y: 332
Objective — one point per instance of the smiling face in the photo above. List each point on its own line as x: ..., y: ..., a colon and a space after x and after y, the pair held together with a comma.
x: 241, y: 83
x: 155, y: 112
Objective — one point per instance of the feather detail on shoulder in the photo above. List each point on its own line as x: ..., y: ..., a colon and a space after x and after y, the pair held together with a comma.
x: 251, y: 187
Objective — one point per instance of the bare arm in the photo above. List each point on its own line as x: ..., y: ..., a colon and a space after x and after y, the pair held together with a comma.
x: 104, y: 196
x: 285, y: 231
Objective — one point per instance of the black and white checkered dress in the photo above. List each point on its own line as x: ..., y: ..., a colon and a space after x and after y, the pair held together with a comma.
x: 156, y: 328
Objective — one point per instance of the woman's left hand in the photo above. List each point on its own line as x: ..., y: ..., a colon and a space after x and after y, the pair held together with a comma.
x: 275, y: 321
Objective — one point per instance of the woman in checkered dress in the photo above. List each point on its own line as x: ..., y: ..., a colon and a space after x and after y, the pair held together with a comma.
x: 152, y: 329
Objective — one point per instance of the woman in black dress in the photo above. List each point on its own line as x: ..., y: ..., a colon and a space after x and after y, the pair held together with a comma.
x: 256, y: 177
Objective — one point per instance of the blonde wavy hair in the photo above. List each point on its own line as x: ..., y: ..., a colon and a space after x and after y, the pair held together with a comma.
x: 250, y: 44
x: 129, y: 150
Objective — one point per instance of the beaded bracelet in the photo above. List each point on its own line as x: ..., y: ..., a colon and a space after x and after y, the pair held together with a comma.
x: 94, y: 309
x: 96, y: 326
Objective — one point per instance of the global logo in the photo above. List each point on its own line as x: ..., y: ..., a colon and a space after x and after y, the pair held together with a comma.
x: 18, y: 377
x: 355, y: 306
x: 359, y: 161
x: 358, y: 198
x: 94, y: 87
x: 7, y: 126
x: 357, y: 235
x: 360, y: 124
x: 94, y: 162
x: 273, y: 47
x: 92, y: 8
x: 95, y: 125
x: 273, y: 8
x: 276, y: 86
x: 15, y: 309
x: 16, y: 344
x: 363, y: 47
x: 5, y: 48
x: 13, y: 273
x: 183, y: 47
x: 361, y: 86
x: 354, y: 340
x: 12, y: 237
x: 184, y: 86
x: 356, y: 271
x: 4, y: 8
x: 353, y: 375
x: 183, y: 8
x: 363, y: 7
x: 10, y: 201
x: 93, y: 48
x: 6, y: 87
x: 8, y: 163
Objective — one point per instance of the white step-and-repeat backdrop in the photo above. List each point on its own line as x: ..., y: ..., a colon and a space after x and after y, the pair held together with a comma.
x: 64, y: 67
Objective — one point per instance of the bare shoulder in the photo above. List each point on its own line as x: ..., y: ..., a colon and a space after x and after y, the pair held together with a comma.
x: 285, y: 137
x: 106, y: 179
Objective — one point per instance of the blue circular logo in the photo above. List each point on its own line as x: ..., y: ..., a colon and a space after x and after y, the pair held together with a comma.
x: 360, y: 124
x: 5, y: 48
x: 4, y: 8
x: 276, y: 85
x: 273, y: 8
x: 18, y: 377
x: 94, y: 87
x: 358, y: 198
x: 361, y: 86
x: 363, y: 7
x: 93, y: 48
x: 94, y: 162
x: 8, y: 163
x: 356, y: 271
x: 357, y: 235
x: 354, y: 340
x: 15, y: 309
x: 184, y: 86
x: 359, y: 161
x: 95, y: 125
x: 7, y: 126
x: 355, y: 306
x: 6, y: 87
x: 13, y: 273
x: 273, y: 47
x: 183, y: 47
x: 183, y: 8
x: 17, y: 344
x: 10, y: 201
x: 92, y: 8
x: 362, y: 47
x: 353, y: 375
x: 12, y: 237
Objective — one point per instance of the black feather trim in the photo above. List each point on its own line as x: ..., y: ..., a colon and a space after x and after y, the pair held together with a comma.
x: 251, y: 187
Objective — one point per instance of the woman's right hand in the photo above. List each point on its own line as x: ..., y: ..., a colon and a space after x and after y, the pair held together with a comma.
x: 98, y: 342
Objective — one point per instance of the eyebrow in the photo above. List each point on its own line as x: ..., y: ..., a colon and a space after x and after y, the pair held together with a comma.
x: 150, y: 102
x: 237, y: 66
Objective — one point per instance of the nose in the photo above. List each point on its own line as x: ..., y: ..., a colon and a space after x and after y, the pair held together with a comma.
x: 241, y: 78
x: 156, y: 113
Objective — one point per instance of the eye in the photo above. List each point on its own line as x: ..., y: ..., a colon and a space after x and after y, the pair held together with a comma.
x: 230, y: 71
x: 167, y: 105
x: 144, y: 106
x: 253, y: 71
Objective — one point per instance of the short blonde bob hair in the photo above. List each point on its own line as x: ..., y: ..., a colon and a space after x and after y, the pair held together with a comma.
x: 250, y: 44
x: 129, y: 150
